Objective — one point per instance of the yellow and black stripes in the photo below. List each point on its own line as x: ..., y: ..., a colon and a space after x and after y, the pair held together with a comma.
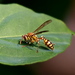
x: 48, y: 43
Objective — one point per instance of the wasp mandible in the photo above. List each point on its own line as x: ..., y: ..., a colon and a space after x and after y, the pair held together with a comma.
x: 32, y: 36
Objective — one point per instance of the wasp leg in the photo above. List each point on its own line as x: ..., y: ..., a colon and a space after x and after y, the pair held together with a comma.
x: 24, y: 46
x: 29, y: 43
x: 21, y: 41
x: 38, y: 46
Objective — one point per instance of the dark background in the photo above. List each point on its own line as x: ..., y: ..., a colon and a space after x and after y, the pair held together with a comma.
x: 56, y: 8
x: 62, y: 64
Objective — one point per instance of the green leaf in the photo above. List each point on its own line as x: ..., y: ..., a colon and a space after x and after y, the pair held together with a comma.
x: 15, y: 21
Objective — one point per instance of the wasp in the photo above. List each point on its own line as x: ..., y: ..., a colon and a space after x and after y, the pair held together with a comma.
x: 32, y: 36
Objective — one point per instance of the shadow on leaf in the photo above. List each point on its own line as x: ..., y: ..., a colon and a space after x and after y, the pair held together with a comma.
x: 24, y: 44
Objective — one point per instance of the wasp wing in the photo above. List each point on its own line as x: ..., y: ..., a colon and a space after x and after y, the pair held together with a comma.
x: 41, y: 32
x: 44, y: 24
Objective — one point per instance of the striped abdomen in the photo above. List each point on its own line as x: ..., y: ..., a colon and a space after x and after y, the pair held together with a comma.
x: 48, y: 43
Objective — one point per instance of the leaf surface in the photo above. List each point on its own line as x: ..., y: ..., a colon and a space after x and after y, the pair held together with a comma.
x: 15, y: 21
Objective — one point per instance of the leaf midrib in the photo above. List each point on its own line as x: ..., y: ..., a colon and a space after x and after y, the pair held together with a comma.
x: 44, y: 33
